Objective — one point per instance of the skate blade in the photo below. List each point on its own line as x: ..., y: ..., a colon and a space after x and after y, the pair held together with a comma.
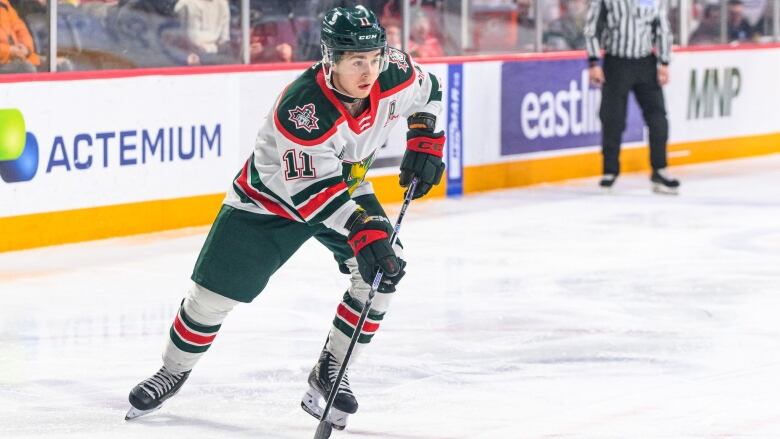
x: 136, y: 413
x: 663, y: 190
x: 313, y: 404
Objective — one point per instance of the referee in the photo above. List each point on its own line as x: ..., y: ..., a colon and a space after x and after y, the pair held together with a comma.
x: 629, y: 29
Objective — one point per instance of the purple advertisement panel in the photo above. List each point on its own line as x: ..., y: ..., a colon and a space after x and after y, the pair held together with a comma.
x: 549, y: 105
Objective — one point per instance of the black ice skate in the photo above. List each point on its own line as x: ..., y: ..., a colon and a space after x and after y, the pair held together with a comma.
x: 321, y: 381
x: 607, y: 181
x: 663, y: 183
x: 150, y: 393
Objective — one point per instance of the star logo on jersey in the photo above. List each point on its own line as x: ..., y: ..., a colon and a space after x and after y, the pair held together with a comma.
x: 398, y: 58
x: 304, y: 118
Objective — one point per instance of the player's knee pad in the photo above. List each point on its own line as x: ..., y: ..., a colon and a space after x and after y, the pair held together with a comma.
x: 207, y: 307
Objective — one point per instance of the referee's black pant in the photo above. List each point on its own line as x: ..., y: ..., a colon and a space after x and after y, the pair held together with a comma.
x: 622, y: 75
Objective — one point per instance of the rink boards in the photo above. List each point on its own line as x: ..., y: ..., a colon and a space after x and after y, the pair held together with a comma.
x: 111, y: 154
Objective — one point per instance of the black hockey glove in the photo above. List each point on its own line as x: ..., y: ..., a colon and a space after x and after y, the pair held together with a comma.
x: 369, y: 237
x: 423, y: 156
x: 387, y: 285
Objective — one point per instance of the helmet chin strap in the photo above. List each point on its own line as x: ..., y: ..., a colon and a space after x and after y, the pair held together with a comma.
x: 327, y: 69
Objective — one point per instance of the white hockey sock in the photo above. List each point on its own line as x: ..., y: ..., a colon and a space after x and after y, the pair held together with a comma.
x: 348, y: 314
x: 195, y: 327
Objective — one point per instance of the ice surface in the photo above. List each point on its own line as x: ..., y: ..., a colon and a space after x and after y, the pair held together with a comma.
x: 551, y: 311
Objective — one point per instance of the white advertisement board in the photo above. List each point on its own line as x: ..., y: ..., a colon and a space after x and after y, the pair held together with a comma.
x: 103, y: 142
x: 99, y: 142
x: 712, y: 95
x: 723, y: 94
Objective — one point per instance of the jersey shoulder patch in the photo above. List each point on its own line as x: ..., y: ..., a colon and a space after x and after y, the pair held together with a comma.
x: 400, y: 70
x: 304, y: 113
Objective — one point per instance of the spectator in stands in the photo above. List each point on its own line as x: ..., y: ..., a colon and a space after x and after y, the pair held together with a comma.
x: 393, y: 33
x: 391, y: 12
x: 422, y: 43
x: 526, y: 28
x: 99, y: 9
x: 271, y: 40
x: 765, y: 26
x: 24, y: 7
x: 261, y: 53
x: 206, y: 24
x: 753, y: 11
x: 566, y: 32
x: 708, y: 31
x: 17, y: 52
x: 161, y: 7
x: 738, y: 27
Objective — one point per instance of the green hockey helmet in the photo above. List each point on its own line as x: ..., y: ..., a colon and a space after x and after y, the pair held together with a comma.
x: 353, y: 29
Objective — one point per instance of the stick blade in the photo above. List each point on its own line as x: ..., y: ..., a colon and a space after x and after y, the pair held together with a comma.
x: 323, y: 430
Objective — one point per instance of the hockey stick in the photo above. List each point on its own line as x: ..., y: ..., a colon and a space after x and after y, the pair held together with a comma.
x: 325, y: 428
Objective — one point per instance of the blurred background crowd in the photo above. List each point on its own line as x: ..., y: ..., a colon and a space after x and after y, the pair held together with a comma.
x: 40, y: 35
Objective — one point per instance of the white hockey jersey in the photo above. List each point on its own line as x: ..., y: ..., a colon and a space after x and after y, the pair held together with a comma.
x: 311, y: 155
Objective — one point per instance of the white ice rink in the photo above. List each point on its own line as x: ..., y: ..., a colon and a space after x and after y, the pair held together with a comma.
x: 548, y: 312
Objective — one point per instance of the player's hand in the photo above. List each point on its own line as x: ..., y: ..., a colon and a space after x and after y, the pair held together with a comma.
x: 15, y: 52
x: 193, y: 59
x: 596, y: 75
x: 387, y: 285
x: 663, y: 75
x: 23, y: 50
x: 369, y: 238
x: 422, y: 159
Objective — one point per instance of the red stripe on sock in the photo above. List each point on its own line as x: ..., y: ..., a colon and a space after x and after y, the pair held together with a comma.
x: 352, y: 318
x: 190, y: 336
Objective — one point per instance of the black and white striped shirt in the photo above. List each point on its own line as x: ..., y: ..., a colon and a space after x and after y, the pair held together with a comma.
x: 631, y: 28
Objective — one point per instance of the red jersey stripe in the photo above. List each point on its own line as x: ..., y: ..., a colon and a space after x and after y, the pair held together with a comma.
x: 321, y: 199
x: 257, y: 196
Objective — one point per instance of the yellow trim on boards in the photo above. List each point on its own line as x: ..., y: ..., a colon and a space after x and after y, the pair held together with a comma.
x: 41, y: 229
x: 50, y: 228
x: 548, y: 169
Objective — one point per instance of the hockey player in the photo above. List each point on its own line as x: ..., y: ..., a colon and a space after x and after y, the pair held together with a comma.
x: 304, y: 179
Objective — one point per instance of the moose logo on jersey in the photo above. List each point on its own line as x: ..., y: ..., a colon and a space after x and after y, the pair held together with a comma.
x: 398, y: 58
x: 303, y: 117
x: 355, y: 173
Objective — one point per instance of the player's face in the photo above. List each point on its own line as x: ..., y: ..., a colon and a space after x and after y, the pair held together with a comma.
x: 356, y: 72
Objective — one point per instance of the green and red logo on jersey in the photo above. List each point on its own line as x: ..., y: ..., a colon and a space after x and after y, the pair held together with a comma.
x: 304, y: 118
x: 398, y: 58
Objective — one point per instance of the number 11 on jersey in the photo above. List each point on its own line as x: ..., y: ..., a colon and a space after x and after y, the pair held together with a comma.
x: 303, y: 168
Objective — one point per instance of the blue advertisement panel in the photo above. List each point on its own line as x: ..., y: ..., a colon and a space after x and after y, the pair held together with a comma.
x: 549, y: 105
x: 455, y: 130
